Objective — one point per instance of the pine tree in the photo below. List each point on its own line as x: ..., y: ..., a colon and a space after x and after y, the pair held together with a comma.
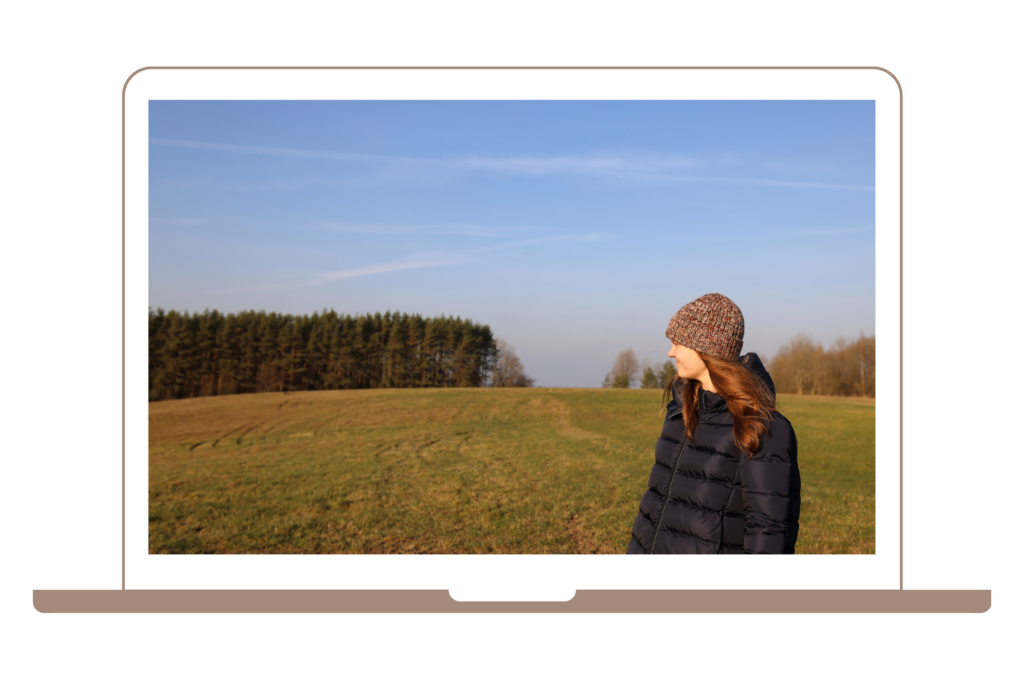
x: 157, y: 339
x: 289, y: 359
x: 412, y: 359
x: 208, y: 359
x: 667, y: 373
x: 394, y: 372
x: 216, y: 354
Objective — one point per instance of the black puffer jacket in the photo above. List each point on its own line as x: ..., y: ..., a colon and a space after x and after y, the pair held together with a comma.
x: 719, y: 500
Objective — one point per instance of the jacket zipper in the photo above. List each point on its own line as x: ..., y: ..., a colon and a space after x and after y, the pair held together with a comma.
x: 668, y: 494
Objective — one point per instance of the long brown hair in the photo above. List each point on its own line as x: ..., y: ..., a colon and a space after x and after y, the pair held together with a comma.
x: 747, y: 397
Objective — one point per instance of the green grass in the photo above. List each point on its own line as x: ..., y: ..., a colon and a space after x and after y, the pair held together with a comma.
x: 457, y: 471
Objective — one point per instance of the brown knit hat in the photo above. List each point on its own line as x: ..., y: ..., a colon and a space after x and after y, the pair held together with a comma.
x: 711, y: 324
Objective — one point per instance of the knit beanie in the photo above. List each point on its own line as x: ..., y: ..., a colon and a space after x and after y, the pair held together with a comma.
x: 711, y: 324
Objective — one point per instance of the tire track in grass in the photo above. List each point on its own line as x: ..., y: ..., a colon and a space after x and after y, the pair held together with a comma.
x: 221, y: 438
x: 238, y: 441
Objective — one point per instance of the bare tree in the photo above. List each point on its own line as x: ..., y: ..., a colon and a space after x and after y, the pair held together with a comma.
x: 625, y: 370
x: 524, y: 381
x: 508, y: 369
x: 846, y: 369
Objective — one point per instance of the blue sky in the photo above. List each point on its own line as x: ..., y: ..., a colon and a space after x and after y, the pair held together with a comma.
x: 574, y: 229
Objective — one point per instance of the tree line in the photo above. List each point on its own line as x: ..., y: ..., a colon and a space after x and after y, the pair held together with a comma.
x: 212, y: 354
x: 627, y: 371
x: 847, y: 368
x: 801, y: 366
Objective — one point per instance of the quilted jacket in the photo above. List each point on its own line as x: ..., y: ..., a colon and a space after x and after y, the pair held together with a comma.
x: 707, y: 496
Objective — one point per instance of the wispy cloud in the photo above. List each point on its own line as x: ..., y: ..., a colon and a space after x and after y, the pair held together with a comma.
x: 466, y: 229
x: 621, y: 166
x: 380, y: 268
x: 584, y: 165
x: 424, y: 261
x: 339, y: 275
x: 591, y: 165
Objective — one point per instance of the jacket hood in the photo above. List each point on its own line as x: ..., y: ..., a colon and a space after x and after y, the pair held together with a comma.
x: 709, y: 402
x: 754, y: 364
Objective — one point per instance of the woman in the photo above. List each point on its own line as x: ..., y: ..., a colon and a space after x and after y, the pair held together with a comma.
x: 725, y: 477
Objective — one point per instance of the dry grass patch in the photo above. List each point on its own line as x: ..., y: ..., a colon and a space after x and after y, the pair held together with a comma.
x: 456, y: 471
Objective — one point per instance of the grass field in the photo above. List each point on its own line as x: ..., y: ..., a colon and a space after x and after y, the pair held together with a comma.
x: 457, y: 471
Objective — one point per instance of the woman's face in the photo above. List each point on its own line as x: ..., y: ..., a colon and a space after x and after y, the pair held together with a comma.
x: 688, y: 363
